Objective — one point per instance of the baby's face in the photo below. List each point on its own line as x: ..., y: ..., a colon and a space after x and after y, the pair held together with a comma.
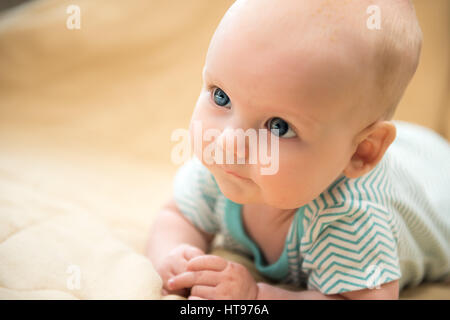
x: 308, y: 91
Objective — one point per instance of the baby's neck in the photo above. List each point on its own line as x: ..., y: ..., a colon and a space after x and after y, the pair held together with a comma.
x: 268, y: 213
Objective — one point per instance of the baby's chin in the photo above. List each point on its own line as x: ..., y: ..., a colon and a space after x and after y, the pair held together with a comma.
x: 236, y: 189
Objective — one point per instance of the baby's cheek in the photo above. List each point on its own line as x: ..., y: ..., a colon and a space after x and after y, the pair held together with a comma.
x: 285, y: 189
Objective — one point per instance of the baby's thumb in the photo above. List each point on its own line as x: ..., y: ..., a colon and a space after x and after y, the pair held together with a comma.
x: 193, y: 252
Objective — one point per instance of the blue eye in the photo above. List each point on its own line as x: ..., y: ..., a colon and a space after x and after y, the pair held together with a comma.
x: 220, y: 97
x: 284, y: 131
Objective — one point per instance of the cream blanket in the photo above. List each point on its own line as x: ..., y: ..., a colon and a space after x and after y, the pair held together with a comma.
x: 65, y: 233
x: 85, y: 124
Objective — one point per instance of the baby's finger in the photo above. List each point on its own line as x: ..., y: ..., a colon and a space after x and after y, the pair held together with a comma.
x: 168, y: 291
x: 205, y: 292
x: 207, y: 262
x: 190, y: 279
x: 178, y: 267
x: 192, y: 253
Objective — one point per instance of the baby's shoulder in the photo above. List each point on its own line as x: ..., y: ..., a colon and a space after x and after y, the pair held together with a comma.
x: 195, y: 176
x: 351, y: 205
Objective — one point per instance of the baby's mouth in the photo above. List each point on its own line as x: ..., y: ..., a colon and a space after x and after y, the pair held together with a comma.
x: 234, y: 174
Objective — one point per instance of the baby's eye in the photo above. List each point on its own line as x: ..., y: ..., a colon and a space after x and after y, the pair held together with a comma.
x: 284, y: 131
x: 220, y: 97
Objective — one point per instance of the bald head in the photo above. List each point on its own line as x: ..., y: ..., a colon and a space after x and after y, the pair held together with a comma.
x: 300, y: 33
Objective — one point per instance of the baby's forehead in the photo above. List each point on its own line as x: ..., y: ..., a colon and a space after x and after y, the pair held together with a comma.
x: 306, y: 60
x: 297, y: 19
x: 296, y: 34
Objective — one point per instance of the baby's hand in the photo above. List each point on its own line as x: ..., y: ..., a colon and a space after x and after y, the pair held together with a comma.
x: 212, y: 277
x: 174, y: 264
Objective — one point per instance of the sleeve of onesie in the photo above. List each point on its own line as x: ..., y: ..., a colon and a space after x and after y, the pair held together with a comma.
x: 195, y: 194
x: 352, y: 252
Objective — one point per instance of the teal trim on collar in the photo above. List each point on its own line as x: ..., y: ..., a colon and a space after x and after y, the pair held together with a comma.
x: 276, y: 271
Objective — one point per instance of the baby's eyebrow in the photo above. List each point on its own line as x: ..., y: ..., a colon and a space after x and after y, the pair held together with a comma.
x: 302, y: 122
x: 207, y: 76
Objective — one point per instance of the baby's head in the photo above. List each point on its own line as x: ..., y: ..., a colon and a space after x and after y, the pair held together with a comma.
x: 315, y: 71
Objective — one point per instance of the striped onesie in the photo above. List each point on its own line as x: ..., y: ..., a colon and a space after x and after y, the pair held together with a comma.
x: 391, y: 223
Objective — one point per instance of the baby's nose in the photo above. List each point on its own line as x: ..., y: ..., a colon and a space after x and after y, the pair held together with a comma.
x: 233, y: 144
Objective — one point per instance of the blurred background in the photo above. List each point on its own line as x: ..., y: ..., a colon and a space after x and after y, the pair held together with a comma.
x: 86, y: 115
x: 119, y: 85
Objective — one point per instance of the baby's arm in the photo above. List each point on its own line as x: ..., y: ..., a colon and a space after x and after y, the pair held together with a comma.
x: 173, y: 241
x: 212, y: 277
x: 387, y: 291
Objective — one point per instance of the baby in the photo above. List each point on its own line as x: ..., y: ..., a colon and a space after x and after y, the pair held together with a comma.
x: 343, y: 216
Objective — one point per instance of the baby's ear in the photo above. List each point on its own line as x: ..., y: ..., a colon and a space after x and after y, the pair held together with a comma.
x: 373, y: 143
